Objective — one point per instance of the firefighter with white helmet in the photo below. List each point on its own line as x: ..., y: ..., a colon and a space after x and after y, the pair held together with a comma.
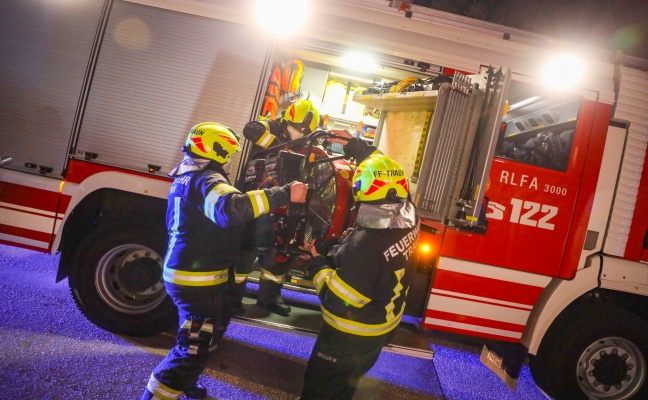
x: 363, y: 291
x: 299, y: 119
x: 205, y: 220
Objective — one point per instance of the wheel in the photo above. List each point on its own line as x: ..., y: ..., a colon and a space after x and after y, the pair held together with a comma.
x: 117, y: 282
x: 599, y: 355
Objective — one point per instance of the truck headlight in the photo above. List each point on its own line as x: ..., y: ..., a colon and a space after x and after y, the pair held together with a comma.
x: 563, y: 72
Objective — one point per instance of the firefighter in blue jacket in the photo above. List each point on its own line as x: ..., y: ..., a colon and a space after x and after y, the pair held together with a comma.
x: 299, y: 119
x: 205, y: 219
x: 363, y: 288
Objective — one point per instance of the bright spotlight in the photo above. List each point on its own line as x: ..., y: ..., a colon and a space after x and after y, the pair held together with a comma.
x: 563, y: 72
x: 281, y: 18
x: 359, y: 62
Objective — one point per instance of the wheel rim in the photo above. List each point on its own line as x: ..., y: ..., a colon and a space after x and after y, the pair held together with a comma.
x: 611, y: 368
x: 129, y: 279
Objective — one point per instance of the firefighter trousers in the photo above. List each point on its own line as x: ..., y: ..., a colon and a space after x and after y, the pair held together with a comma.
x: 338, y: 361
x: 238, y: 276
x: 204, y: 314
x: 270, y: 279
x: 259, y: 239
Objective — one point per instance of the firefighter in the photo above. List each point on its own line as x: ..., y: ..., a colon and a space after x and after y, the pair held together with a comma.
x: 363, y: 292
x: 205, y: 220
x: 299, y: 119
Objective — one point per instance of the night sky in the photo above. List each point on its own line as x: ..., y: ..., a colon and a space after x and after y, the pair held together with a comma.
x: 607, y: 24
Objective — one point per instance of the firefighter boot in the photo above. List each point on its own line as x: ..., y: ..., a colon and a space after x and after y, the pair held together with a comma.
x: 277, y: 307
x: 237, y: 310
x: 273, y: 269
x: 196, y: 391
x: 269, y: 297
x: 237, y: 291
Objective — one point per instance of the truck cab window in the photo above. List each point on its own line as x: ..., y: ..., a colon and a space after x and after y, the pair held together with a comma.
x: 538, y: 130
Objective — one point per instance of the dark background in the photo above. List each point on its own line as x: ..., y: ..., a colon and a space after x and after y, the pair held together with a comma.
x: 615, y: 25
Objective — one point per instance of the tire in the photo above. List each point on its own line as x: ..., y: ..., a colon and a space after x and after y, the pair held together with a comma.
x: 117, y: 282
x: 600, y: 355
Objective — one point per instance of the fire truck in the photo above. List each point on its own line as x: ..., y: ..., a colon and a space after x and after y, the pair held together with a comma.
x: 533, y: 239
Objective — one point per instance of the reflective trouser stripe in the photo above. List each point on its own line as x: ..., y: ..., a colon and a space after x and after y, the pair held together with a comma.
x: 240, y: 278
x: 265, y: 274
x: 161, y: 391
x: 206, y: 327
x: 186, y: 278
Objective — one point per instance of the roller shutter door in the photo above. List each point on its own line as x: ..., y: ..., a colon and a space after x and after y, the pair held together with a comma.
x: 44, y: 51
x: 625, y: 233
x: 160, y: 72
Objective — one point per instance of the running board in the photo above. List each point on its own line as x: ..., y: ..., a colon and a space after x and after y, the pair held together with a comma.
x: 296, y: 285
x: 306, y: 319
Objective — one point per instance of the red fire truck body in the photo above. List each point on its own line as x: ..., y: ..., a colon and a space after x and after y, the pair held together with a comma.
x: 545, y: 208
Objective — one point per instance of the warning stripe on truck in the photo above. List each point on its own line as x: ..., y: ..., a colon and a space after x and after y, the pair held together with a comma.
x: 28, y: 216
x: 481, y: 300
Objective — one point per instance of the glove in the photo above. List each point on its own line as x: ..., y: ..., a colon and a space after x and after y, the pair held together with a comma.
x: 357, y: 148
x: 324, y: 248
x: 315, y: 265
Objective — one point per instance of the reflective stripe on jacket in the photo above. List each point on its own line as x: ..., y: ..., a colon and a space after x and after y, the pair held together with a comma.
x: 365, y: 294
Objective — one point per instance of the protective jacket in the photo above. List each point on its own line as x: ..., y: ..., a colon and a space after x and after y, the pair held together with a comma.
x: 365, y: 294
x: 205, y: 219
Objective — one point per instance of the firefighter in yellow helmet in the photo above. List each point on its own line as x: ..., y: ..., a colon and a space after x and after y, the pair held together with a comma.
x: 363, y: 286
x: 299, y: 119
x: 205, y: 219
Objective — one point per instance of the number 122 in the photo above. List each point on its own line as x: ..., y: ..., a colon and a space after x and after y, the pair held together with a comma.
x: 533, y: 208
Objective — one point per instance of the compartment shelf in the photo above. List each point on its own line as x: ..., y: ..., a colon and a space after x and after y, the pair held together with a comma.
x: 410, y: 101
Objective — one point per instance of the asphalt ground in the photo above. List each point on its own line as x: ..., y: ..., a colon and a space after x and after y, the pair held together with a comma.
x: 49, y: 351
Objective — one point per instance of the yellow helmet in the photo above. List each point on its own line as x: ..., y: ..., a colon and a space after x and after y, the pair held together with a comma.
x: 380, y: 179
x: 302, y: 115
x: 213, y: 141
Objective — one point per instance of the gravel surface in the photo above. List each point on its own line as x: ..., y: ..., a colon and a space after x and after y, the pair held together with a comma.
x: 51, y: 352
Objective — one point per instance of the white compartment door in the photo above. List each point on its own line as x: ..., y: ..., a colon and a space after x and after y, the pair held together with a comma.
x: 160, y: 72
x: 45, y: 47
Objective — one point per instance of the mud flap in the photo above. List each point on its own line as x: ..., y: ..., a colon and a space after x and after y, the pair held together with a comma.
x: 506, y: 360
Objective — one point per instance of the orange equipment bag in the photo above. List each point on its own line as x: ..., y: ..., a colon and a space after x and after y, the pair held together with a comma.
x: 272, y: 95
x: 291, y: 79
